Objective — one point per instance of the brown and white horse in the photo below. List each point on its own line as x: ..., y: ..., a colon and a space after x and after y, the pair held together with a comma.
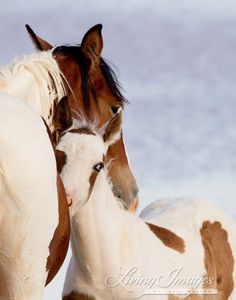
x: 34, y: 218
x: 93, y: 89
x: 177, y: 249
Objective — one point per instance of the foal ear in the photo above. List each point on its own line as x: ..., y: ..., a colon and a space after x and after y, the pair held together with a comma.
x: 113, y: 129
x: 39, y: 43
x: 92, y: 44
x: 62, y: 118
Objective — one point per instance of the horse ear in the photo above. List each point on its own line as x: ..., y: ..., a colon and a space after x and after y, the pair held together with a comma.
x: 62, y: 118
x: 39, y: 43
x: 113, y: 129
x: 92, y: 44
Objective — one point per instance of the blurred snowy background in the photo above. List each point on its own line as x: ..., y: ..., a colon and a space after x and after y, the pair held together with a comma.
x: 177, y: 65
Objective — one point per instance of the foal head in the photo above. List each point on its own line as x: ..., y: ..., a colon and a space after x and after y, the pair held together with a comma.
x: 81, y: 152
x: 94, y: 89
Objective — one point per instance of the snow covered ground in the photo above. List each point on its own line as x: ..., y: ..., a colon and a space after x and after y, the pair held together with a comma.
x: 177, y: 64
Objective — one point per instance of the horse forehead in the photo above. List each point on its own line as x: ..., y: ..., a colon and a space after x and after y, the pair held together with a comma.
x: 67, y: 55
x: 83, y: 143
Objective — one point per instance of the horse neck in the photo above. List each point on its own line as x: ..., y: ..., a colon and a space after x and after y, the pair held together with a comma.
x: 106, y: 238
x: 25, y: 87
x: 95, y: 229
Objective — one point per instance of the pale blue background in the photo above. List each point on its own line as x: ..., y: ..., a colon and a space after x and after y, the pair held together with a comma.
x: 177, y: 64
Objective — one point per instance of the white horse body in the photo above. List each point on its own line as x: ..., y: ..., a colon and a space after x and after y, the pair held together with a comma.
x: 29, y: 213
x: 108, y: 243
x: 28, y: 200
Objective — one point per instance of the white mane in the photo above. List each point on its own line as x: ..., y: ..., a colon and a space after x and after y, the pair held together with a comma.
x: 46, y: 73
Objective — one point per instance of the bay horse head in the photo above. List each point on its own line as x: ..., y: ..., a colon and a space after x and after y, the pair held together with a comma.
x: 93, y: 88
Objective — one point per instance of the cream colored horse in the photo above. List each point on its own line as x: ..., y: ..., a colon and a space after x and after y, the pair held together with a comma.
x: 34, y: 224
x: 181, y: 247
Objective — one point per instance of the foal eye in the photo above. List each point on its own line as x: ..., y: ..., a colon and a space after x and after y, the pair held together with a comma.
x: 98, y: 167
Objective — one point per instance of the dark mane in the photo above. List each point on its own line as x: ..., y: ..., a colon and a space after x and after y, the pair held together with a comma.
x: 111, y: 80
x: 86, y: 87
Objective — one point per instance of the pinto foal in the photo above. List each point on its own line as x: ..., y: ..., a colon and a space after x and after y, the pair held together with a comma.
x: 113, y: 248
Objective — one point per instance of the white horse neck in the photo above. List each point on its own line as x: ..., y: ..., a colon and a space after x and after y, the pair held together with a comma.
x: 89, y: 222
x: 37, y: 80
x: 104, y: 238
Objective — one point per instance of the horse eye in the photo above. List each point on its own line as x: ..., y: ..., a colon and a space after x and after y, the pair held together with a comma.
x: 98, y: 167
x: 115, y: 109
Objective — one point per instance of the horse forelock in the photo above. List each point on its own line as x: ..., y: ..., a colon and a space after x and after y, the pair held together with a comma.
x: 49, y: 79
x: 81, y: 121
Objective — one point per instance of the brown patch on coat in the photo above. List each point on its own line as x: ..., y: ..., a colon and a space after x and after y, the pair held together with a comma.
x: 60, y: 159
x: 77, y: 296
x: 168, y: 238
x: 92, y: 180
x: 60, y: 243
x: 219, y: 261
